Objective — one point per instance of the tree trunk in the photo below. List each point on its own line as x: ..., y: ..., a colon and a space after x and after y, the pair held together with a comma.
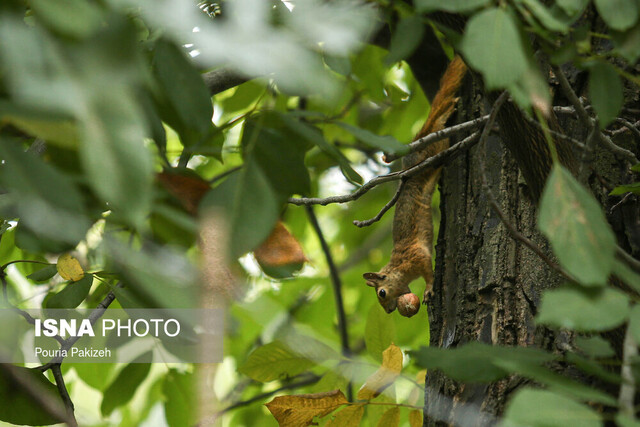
x: 487, y: 285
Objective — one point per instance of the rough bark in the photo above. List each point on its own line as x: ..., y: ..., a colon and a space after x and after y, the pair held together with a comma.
x: 488, y: 286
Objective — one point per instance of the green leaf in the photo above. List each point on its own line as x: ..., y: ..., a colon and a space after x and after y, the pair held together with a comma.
x: 314, y: 135
x: 595, y: 346
x: 573, y: 222
x: 280, y: 359
x: 450, y: 6
x: 623, y: 420
x: 44, y: 274
x: 278, y: 153
x: 180, y: 407
x: 628, y: 43
x: 385, y: 143
x: 605, y: 90
x: 552, y: 19
x: 96, y: 376
x: 405, y: 39
x: 492, y: 45
x: 618, y: 14
x: 46, y: 200
x: 626, y: 274
x: 479, y: 362
x: 636, y: 168
x: 75, y: 18
x: 379, y: 332
x: 114, y: 156
x: 630, y: 188
x: 583, y: 309
x: 18, y: 406
x: 72, y: 295
x: 184, y: 103
x: 594, y: 368
x: 572, y: 7
x: 531, y: 407
x: 339, y: 64
x: 557, y: 382
x: 122, y: 389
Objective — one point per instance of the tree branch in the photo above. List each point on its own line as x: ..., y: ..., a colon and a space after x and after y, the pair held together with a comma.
x: 432, y: 162
x: 222, y: 79
x: 425, y: 141
x: 626, y: 398
x: 64, y: 394
x: 384, y: 209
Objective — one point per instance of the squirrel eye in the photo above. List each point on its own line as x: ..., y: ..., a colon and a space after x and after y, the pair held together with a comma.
x: 382, y: 293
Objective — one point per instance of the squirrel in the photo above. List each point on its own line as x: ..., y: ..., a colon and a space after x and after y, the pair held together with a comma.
x: 412, y: 226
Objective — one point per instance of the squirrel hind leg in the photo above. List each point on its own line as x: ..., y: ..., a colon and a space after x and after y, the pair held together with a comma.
x: 428, y: 290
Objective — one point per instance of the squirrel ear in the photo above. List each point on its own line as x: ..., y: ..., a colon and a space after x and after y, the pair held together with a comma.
x: 374, y: 277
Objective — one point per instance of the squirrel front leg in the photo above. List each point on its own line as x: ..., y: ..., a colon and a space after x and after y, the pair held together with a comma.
x: 412, y: 227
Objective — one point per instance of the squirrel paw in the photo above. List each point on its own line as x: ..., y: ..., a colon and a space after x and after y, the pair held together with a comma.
x: 428, y: 294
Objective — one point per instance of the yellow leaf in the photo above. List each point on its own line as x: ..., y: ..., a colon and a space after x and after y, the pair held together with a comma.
x: 415, y: 418
x: 421, y: 376
x: 390, y: 418
x: 69, y: 268
x: 384, y: 376
x: 299, y: 410
x: 348, y: 417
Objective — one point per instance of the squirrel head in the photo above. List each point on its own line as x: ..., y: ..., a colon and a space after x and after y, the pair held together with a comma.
x: 388, y: 289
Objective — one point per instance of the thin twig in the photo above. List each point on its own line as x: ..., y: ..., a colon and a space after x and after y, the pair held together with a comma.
x: 95, y: 314
x: 431, y: 162
x: 626, y: 257
x: 312, y: 379
x: 515, y: 234
x: 559, y: 135
x: 384, y: 209
x: 616, y: 149
x: 633, y: 127
x: 627, y: 394
x: 337, y: 290
x: 425, y: 141
x: 225, y: 174
x: 64, y: 394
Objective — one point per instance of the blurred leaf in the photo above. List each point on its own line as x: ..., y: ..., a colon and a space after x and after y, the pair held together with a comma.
x: 605, y: 90
x: 384, y: 376
x: 72, y: 295
x: 339, y: 64
x: 75, y: 18
x: 618, y: 14
x: 44, y: 274
x: 493, y: 46
x: 385, y: 143
x: 122, y: 389
x: 189, y: 189
x: 18, y: 406
x: 314, y: 135
x: 573, y: 222
x: 583, y: 309
x: 184, y: 100
x: 628, y: 43
x: 553, y: 19
x: 46, y: 200
x: 96, y: 376
x: 623, y: 420
x: 180, y: 405
x: 390, y: 418
x: 281, y: 254
x: 595, y: 346
x: 58, y: 131
x: 572, y: 7
x: 286, y: 358
x: 450, y: 6
x: 592, y: 367
x: 415, y: 418
x: 478, y: 362
x: 379, y: 331
x: 347, y: 417
x: 634, y: 322
x: 629, y: 188
x: 300, y: 410
x: 69, y: 268
x: 405, y: 39
x: 535, y: 408
x: 116, y: 161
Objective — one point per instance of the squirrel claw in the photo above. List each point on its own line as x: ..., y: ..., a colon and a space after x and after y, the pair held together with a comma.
x: 427, y: 296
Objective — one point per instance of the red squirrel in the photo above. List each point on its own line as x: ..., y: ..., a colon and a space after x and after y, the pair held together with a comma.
x: 412, y: 226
